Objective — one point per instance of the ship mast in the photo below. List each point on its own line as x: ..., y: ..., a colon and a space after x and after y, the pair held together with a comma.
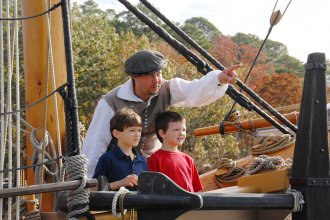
x: 37, y: 63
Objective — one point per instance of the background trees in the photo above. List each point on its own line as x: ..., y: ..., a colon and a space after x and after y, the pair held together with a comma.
x: 102, y: 41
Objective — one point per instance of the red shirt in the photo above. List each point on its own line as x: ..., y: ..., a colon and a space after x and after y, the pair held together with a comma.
x: 178, y: 166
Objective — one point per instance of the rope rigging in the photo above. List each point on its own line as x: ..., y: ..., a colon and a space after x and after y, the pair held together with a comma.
x: 59, y: 89
x: 43, y: 162
x: 231, y: 91
x: 33, y: 16
x: 274, y: 20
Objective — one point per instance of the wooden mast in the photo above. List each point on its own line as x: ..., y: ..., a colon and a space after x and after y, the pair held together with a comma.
x: 35, y: 46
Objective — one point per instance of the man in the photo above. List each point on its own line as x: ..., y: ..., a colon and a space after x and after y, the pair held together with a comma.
x: 148, y: 94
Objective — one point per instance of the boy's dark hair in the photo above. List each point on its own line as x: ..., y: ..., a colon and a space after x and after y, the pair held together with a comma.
x: 163, y: 119
x: 124, y: 118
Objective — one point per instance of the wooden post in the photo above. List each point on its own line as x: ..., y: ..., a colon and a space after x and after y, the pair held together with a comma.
x: 35, y: 45
x: 310, y: 171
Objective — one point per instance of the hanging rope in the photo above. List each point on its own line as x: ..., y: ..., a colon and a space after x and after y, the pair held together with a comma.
x: 275, y: 18
x: 239, y: 97
x: 33, y: 16
x: 9, y: 108
x: 38, y: 148
x: 50, y: 68
x: 59, y: 89
x: 19, y: 182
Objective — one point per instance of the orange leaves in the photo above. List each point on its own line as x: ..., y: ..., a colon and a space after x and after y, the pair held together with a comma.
x: 280, y: 89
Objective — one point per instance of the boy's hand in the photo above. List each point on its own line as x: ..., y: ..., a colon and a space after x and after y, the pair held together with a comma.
x: 130, y: 180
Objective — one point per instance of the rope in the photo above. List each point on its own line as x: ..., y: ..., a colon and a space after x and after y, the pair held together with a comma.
x: 264, y: 162
x: 298, y: 200
x: 273, y: 144
x: 77, y: 199
x: 35, y: 103
x: 18, y: 116
x: 22, y: 211
x: 9, y: 107
x: 233, y: 172
x: 120, y: 193
x: 33, y: 16
x: 38, y: 147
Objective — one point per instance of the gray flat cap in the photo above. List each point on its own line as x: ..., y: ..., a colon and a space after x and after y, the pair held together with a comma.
x: 144, y: 62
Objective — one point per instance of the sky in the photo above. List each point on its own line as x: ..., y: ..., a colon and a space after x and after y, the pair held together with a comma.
x: 304, y: 28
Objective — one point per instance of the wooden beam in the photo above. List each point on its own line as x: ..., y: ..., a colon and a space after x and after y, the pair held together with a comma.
x: 42, y: 188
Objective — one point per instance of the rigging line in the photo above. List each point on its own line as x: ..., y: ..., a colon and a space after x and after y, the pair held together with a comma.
x: 211, y: 59
x: 37, y: 102
x: 250, y: 70
x: 231, y: 91
x: 277, y: 18
x: 31, y: 166
x: 33, y: 16
x: 52, y: 70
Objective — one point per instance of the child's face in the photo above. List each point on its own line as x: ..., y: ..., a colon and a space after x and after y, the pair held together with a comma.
x: 130, y: 136
x: 175, y: 134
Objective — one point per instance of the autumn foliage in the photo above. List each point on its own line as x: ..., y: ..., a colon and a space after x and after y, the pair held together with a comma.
x: 280, y: 89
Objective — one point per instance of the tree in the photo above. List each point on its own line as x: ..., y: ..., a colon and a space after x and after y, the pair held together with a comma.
x: 277, y: 53
x: 280, y: 89
x: 201, y: 30
x: 225, y: 50
x: 126, y: 21
x: 99, y: 54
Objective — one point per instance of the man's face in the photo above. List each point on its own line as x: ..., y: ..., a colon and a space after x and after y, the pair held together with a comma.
x: 147, y: 85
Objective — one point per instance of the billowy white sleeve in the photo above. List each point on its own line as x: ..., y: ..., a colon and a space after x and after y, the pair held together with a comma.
x: 98, y: 136
x: 198, y: 92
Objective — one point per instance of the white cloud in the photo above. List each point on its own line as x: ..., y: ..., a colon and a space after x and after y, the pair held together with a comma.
x: 304, y: 28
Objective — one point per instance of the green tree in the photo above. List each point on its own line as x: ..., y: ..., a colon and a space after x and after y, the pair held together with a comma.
x: 277, y: 53
x: 201, y: 30
x: 99, y: 54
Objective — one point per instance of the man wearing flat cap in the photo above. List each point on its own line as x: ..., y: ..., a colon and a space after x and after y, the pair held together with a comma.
x: 148, y: 94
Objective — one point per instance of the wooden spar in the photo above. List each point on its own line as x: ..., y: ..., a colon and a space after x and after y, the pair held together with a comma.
x: 35, y: 46
x: 245, y: 125
x: 49, y: 187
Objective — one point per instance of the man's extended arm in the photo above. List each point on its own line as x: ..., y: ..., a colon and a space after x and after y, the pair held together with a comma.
x: 198, y: 92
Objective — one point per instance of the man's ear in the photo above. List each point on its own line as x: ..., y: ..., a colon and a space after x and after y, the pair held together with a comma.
x: 116, y: 133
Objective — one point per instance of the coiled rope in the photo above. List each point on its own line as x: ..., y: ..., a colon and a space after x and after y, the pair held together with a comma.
x: 233, y: 172
x: 77, y: 199
x: 298, y: 200
x: 272, y: 144
x: 264, y: 162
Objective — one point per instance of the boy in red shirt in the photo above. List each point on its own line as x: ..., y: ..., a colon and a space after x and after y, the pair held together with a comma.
x: 170, y: 128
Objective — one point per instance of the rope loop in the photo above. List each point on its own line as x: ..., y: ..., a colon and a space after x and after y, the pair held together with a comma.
x: 120, y: 194
x: 298, y: 200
